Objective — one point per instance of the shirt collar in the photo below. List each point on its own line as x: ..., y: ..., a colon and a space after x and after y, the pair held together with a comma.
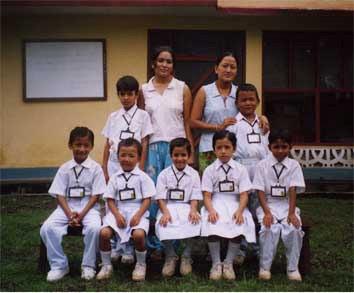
x: 135, y: 171
x: 185, y: 170
x: 151, y: 88
x: 230, y: 163
x: 215, y: 92
x: 87, y: 163
x: 240, y: 117
x: 131, y: 111
x: 274, y: 161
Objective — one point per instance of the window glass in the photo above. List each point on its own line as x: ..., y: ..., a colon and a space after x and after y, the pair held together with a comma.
x: 304, y: 65
x: 329, y: 62
x: 348, y: 62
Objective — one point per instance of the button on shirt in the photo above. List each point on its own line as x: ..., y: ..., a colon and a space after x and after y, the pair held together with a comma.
x: 166, y: 110
x: 91, y: 178
x: 244, y: 149
x: 291, y: 176
x: 143, y: 185
x: 190, y: 183
x: 214, y: 174
x: 140, y: 124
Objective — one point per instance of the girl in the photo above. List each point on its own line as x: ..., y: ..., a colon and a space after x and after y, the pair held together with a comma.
x: 178, y: 192
x: 225, y: 184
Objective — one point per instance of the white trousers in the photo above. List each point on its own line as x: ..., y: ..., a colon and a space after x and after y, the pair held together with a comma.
x: 56, y: 226
x: 269, y: 238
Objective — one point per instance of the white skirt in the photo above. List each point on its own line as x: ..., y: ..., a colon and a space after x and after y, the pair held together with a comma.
x: 226, y: 205
x: 180, y: 227
x: 128, y: 210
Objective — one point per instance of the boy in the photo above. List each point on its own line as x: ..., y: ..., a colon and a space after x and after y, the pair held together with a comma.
x: 128, y: 196
x: 278, y: 179
x: 77, y: 187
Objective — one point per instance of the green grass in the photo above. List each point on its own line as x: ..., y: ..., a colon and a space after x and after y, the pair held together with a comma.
x: 331, y: 246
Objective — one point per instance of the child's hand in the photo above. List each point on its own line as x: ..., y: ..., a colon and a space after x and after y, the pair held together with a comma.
x: 121, y: 221
x: 194, y: 217
x: 213, y: 216
x: 268, y: 220
x: 238, y: 217
x: 135, y: 220
x: 166, y: 217
x: 227, y: 122
x: 292, y: 219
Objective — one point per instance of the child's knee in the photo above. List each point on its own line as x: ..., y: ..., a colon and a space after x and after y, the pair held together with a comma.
x: 106, y: 233
x: 138, y: 235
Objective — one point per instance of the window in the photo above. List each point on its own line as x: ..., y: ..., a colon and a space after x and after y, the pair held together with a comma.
x: 308, y: 85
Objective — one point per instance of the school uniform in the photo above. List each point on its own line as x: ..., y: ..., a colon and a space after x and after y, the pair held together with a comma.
x: 274, y: 179
x: 123, y: 124
x: 226, y: 182
x: 77, y: 182
x: 178, y: 188
x: 128, y: 189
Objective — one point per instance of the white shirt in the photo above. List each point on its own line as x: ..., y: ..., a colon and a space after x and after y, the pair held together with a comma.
x: 143, y: 185
x: 118, y: 121
x: 237, y: 173
x: 91, y: 178
x: 166, y: 110
x: 244, y: 149
x: 265, y: 176
x: 189, y: 182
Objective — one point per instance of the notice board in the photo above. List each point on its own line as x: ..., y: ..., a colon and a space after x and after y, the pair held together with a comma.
x: 56, y: 70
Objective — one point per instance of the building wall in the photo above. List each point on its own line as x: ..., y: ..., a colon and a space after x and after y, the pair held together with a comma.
x: 35, y: 134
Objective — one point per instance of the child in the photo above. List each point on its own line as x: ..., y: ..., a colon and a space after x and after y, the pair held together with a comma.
x: 128, y: 196
x: 278, y: 178
x: 124, y: 123
x: 178, y: 192
x: 77, y: 187
x: 252, y: 144
x: 225, y: 184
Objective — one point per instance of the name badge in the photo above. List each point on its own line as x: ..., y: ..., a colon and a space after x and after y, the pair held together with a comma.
x: 124, y: 134
x: 127, y: 194
x: 278, y: 191
x: 226, y: 186
x: 76, y: 192
x: 253, y: 138
x: 176, y: 194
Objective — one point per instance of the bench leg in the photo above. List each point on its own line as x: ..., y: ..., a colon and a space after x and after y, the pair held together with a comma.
x: 43, y: 261
x: 305, y: 255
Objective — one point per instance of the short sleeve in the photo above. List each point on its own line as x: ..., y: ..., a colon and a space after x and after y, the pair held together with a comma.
x: 196, y: 188
x: 60, y: 184
x: 297, y: 179
x: 245, y: 182
x: 207, y: 179
x: 147, y: 126
x: 147, y: 186
x: 106, y: 131
x: 161, y: 186
x: 232, y: 128
x: 259, y: 178
x: 111, y: 189
x: 99, y: 182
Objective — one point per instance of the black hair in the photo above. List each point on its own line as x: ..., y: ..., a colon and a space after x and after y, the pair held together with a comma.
x: 282, y: 134
x: 127, y: 83
x: 223, y: 55
x: 246, y: 87
x: 224, y: 134
x: 81, y: 131
x: 158, y: 50
x: 130, y: 142
x: 180, y: 142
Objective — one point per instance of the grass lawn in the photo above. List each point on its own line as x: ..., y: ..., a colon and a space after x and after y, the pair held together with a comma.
x: 331, y: 246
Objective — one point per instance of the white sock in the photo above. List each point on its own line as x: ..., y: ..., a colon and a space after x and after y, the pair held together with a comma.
x: 106, y: 257
x: 140, y: 256
x: 232, y: 250
x: 214, y: 248
x: 168, y: 248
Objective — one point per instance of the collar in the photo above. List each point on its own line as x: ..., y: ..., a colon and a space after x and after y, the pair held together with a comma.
x: 274, y: 161
x: 240, y: 117
x: 215, y: 92
x: 230, y: 163
x: 87, y: 163
x: 185, y: 170
x: 135, y: 171
x: 151, y: 88
x: 131, y: 111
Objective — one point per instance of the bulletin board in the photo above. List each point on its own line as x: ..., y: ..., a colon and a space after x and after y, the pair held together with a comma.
x: 64, y: 70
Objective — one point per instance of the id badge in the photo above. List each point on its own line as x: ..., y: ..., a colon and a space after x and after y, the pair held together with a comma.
x: 176, y: 194
x: 124, y: 134
x: 76, y: 192
x: 278, y: 191
x: 127, y: 194
x: 226, y: 186
x: 253, y: 138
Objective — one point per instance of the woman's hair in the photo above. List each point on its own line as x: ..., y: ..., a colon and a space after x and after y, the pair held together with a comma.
x: 127, y: 83
x: 223, y: 55
x: 282, y: 134
x: 158, y: 50
x: 247, y: 87
x: 180, y: 142
x: 224, y: 134
x: 130, y: 142
x: 81, y: 131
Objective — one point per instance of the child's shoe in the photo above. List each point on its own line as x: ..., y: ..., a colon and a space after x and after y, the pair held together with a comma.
x: 186, y: 265
x: 294, y: 276
x: 127, y: 259
x: 216, y: 272
x: 87, y: 273
x: 264, y: 275
x: 169, y: 266
x: 56, y: 275
x: 228, y: 272
x: 139, y: 272
x: 105, y: 272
